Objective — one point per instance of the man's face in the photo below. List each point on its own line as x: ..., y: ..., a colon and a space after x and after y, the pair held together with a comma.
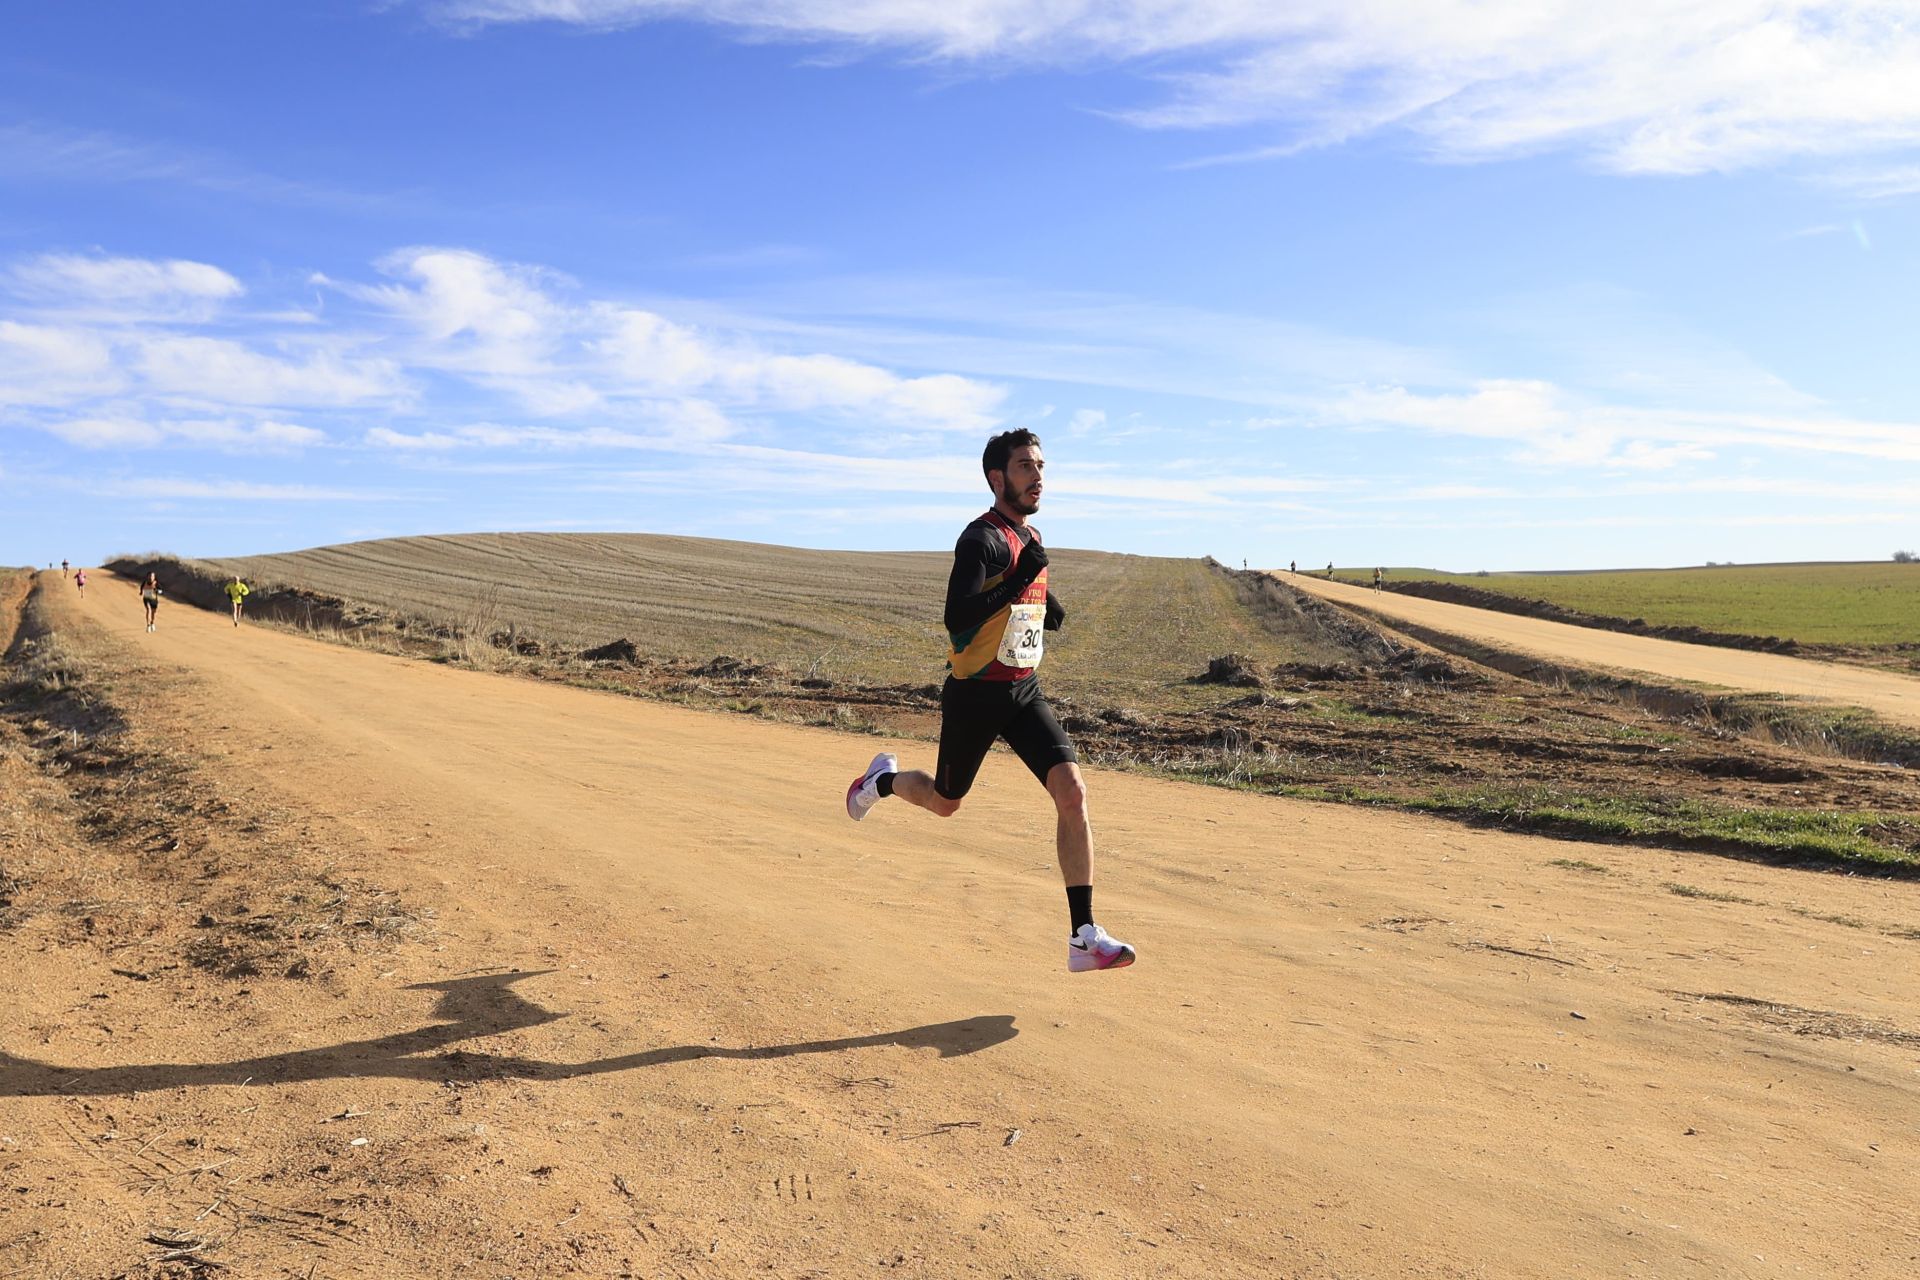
x: 1020, y: 484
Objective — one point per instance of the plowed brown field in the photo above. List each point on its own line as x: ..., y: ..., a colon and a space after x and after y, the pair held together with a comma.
x: 679, y: 1017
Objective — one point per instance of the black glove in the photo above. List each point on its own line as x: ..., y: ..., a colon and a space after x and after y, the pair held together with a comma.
x: 1034, y: 552
x: 1056, y: 613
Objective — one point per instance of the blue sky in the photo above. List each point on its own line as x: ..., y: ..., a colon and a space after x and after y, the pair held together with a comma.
x: 1434, y: 282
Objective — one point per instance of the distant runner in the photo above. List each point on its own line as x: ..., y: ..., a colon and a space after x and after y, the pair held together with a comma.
x: 1377, y: 575
x: 80, y: 580
x: 997, y: 607
x: 150, y: 597
x: 237, y: 592
x: 64, y: 572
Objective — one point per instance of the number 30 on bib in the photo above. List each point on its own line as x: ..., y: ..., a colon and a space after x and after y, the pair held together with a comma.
x: 1021, y: 644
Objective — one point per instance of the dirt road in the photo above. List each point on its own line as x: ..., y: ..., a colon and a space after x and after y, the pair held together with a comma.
x: 1895, y: 697
x: 754, y: 1038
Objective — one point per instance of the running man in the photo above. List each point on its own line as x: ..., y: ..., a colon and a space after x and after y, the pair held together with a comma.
x: 237, y: 592
x: 1377, y: 575
x: 80, y: 580
x: 150, y: 597
x: 64, y: 572
x: 998, y: 606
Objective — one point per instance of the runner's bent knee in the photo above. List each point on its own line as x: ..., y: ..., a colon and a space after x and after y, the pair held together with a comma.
x: 1067, y: 787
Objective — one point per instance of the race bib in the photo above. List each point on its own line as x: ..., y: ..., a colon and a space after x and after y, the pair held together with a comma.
x: 1021, y: 643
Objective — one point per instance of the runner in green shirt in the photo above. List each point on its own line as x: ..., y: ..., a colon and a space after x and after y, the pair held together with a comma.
x: 237, y: 592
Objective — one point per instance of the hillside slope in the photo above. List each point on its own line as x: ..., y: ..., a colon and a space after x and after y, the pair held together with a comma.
x: 876, y: 615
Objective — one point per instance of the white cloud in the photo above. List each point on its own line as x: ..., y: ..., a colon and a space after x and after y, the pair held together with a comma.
x: 476, y: 314
x: 108, y: 433
x: 131, y: 431
x: 265, y: 436
x: 998, y: 329
x: 52, y: 365
x: 387, y: 438
x: 1557, y: 428
x: 759, y: 469
x: 1646, y: 86
x: 222, y: 371
x: 653, y: 354
x: 125, y: 327
x: 678, y: 428
x: 69, y: 278
x: 1444, y: 493
x: 131, y: 360
x: 158, y: 488
x: 1879, y: 183
x: 515, y: 329
x: 1086, y: 421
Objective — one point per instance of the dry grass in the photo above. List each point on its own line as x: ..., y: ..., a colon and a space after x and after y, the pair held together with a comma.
x: 1138, y: 626
x: 44, y: 666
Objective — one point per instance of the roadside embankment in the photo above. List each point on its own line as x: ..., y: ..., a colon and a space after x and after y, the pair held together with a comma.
x: 202, y: 584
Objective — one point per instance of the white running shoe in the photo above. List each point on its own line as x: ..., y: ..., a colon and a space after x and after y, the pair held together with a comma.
x: 1091, y: 947
x: 865, y: 792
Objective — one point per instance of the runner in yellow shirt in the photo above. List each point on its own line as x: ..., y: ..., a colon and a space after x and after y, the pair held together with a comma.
x: 237, y: 592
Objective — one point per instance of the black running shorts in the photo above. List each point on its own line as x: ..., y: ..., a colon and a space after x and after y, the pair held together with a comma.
x: 975, y: 712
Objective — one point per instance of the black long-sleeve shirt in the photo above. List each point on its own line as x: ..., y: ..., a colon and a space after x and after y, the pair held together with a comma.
x: 980, y: 555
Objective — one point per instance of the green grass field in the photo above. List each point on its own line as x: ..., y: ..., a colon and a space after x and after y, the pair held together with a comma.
x: 1871, y: 603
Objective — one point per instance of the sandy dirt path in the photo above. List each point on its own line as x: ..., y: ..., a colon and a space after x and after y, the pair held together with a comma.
x: 1356, y: 1044
x: 1885, y: 693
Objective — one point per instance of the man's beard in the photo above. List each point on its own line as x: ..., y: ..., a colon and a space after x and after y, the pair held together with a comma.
x: 1019, y: 505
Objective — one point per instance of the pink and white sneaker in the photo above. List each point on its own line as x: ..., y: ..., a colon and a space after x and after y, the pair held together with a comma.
x: 865, y: 793
x: 1091, y: 947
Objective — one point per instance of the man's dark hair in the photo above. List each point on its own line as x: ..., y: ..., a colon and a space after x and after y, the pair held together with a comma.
x: 1001, y: 447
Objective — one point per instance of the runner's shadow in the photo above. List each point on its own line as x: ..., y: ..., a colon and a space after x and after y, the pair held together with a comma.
x: 482, y: 1006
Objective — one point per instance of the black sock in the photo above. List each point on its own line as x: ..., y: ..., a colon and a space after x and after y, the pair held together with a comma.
x: 884, y: 784
x: 1079, y: 905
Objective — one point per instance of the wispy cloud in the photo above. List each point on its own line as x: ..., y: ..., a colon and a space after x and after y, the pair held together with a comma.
x: 1877, y: 182
x: 127, y: 352
x: 226, y: 435
x: 57, y: 153
x: 227, y: 372
x: 165, y: 487
x: 1643, y: 86
x: 103, y: 342
x: 759, y: 469
x: 121, y: 289
x: 1004, y: 329
x: 450, y: 360
x: 54, y: 365
x: 1554, y: 427
x: 524, y: 331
